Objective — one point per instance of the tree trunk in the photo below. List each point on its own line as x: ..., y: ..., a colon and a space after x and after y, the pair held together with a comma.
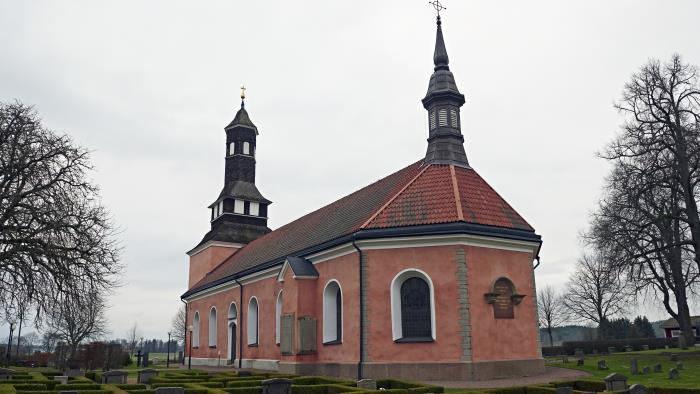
x: 19, y: 334
x: 549, y: 331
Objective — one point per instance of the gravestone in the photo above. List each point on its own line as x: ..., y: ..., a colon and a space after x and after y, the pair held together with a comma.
x: 277, y: 386
x: 615, y: 382
x: 565, y: 359
x: 144, y: 362
x: 145, y: 375
x: 644, y: 347
x: 634, y: 367
x: 114, y: 377
x: 674, y: 357
x: 673, y: 373
x: 628, y: 348
x: 369, y: 384
x: 6, y: 374
x: 565, y: 390
x: 602, y: 365
x: 611, y: 350
x: 138, y: 358
x: 679, y: 366
x: 657, y: 367
x: 245, y: 373
x: 170, y: 390
x: 579, y: 362
x: 180, y: 357
x: 73, y: 372
x: 646, y: 370
x: 638, y: 389
x: 61, y: 379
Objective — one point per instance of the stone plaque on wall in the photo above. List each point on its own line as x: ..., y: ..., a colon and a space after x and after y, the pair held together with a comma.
x: 287, y: 334
x: 307, y: 335
x: 502, y: 298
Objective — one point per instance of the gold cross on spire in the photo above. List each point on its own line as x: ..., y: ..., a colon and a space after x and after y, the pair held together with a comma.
x: 242, y: 92
x: 438, y: 7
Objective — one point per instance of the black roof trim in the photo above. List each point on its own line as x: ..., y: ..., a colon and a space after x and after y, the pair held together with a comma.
x: 430, y: 229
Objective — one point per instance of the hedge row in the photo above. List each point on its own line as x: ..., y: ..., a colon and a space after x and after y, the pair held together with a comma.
x: 602, y: 346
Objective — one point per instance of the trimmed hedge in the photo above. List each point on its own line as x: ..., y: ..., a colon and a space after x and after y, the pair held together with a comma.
x: 581, y: 385
x: 77, y: 387
x: 56, y: 392
x: 244, y: 383
x: 321, y: 380
x: 324, y: 389
x: 619, y: 344
x: 131, y: 386
x: 30, y: 387
x: 244, y: 390
x: 672, y: 390
x: 211, y: 385
x: 389, y: 384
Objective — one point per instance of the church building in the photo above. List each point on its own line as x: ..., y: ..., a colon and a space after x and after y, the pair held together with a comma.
x: 427, y: 273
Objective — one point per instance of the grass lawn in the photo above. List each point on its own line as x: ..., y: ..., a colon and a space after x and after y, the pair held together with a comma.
x: 620, y: 362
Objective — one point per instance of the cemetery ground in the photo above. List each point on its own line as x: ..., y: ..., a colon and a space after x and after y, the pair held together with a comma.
x: 689, y: 375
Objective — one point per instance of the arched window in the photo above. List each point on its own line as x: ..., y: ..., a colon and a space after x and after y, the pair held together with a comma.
x: 232, y: 311
x: 212, y: 327
x: 278, y: 317
x: 412, y: 307
x: 231, y: 148
x: 246, y: 148
x: 195, y: 330
x: 253, y: 321
x: 332, y: 313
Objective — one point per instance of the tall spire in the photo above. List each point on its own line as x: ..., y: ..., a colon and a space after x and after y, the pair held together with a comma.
x: 443, y: 101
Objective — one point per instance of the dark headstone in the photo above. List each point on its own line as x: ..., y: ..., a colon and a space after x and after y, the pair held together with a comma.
x: 674, y: 357
x: 646, y: 370
x: 170, y: 390
x: 114, y: 377
x: 565, y: 390
x: 277, y: 386
x: 679, y: 366
x: 602, y: 365
x: 144, y: 362
x: 657, y: 367
x: 138, y: 358
x: 673, y: 373
x: 369, y: 384
x: 615, y: 382
x: 634, y: 366
x: 638, y: 389
x: 145, y: 375
x: 579, y: 362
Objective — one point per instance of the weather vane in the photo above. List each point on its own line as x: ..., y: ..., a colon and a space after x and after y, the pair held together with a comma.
x: 438, y: 7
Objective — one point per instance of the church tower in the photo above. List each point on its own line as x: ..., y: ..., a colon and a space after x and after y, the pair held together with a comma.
x: 239, y: 214
x: 443, y: 102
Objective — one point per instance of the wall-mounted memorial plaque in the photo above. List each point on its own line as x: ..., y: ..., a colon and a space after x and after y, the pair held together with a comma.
x: 503, y: 298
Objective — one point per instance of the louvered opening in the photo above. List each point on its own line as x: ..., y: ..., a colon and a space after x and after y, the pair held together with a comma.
x: 442, y: 117
x: 453, y: 118
x: 432, y: 120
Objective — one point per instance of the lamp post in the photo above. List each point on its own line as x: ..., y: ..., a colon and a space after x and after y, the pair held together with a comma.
x: 9, y: 344
x: 189, y: 361
x: 167, y: 359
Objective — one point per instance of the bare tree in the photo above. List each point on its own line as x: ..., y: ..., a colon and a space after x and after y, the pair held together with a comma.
x: 30, y: 342
x: 594, y: 292
x: 54, y: 234
x: 551, y: 311
x: 79, y: 318
x: 179, y: 324
x: 49, y: 340
x: 132, y: 337
x: 662, y: 108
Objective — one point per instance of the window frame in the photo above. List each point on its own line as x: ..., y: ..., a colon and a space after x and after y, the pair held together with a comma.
x: 395, y: 291
x: 255, y: 323
x: 332, y: 324
x: 194, y: 337
x: 212, y: 328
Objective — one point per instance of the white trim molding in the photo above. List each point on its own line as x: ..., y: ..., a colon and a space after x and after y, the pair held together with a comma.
x: 396, y: 325
x: 214, y: 243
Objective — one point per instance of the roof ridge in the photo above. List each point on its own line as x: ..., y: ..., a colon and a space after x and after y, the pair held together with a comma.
x: 455, y: 188
x: 371, y: 218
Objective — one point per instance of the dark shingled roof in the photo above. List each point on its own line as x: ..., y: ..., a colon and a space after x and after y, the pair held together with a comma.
x: 302, y: 267
x: 243, y: 190
x: 415, y: 195
x: 672, y: 323
x: 242, y: 119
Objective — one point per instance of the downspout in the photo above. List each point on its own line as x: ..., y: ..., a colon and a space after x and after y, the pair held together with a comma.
x: 362, y: 311
x: 240, y: 324
x: 538, y: 263
x: 184, y: 343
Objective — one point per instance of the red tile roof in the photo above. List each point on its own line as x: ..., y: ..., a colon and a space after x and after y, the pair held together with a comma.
x: 415, y: 195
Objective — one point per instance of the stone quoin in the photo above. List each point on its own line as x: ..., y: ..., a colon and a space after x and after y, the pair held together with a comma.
x: 427, y: 273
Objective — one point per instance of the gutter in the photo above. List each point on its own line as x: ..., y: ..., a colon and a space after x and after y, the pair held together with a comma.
x: 240, y: 326
x: 362, y: 310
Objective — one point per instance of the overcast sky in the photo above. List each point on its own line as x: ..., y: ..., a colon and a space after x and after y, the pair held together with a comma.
x: 334, y: 88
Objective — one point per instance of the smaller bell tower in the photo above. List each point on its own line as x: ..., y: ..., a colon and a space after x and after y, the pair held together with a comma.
x: 239, y: 214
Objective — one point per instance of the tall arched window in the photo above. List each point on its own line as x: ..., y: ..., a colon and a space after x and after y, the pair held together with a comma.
x: 232, y: 148
x: 278, y: 317
x: 195, y: 330
x: 332, y: 313
x: 246, y: 148
x: 212, y: 327
x: 253, y: 322
x: 412, y: 307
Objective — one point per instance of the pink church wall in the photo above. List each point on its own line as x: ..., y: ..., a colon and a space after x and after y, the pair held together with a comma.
x: 204, y: 261
x: 501, y: 339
